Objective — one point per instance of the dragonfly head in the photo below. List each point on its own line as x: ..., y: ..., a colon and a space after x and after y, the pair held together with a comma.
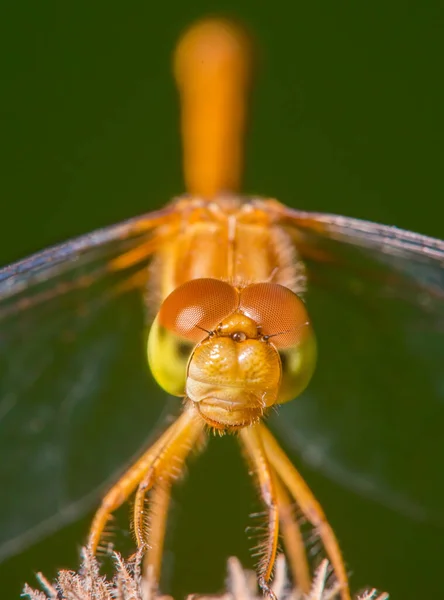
x: 233, y: 352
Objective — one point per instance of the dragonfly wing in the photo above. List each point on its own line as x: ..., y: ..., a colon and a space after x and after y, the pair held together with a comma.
x: 47, y: 267
x: 73, y: 375
x: 372, y: 416
x: 418, y: 257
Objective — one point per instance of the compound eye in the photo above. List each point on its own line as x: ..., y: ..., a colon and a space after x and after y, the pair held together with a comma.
x: 196, y: 307
x: 279, y: 312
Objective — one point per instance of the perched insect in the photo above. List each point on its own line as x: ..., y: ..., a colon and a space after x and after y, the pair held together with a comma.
x: 232, y: 336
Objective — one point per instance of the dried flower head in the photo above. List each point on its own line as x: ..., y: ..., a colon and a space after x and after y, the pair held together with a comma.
x: 128, y: 584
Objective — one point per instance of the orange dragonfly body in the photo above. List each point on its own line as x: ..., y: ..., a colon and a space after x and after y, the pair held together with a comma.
x: 225, y: 275
x: 228, y: 276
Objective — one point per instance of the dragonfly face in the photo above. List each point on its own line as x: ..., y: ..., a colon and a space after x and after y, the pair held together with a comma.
x: 235, y: 372
x: 71, y: 316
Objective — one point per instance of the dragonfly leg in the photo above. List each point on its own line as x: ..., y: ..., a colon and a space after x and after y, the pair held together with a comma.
x: 252, y: 443
x: 119, y: 493
x: 157, y: 518
x: 293, y: 540
x: 165, y: 467
x: 310, y: 507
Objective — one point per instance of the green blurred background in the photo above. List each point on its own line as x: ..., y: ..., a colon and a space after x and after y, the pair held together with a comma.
x: 346, y: 117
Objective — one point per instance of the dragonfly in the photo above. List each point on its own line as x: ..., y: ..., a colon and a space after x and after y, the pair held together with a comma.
x: 241, y: 294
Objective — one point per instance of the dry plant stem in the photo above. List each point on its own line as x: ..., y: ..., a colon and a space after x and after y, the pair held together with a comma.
x: 308, y: 504
x: 126, y: 584
x: 177, y: 440
x: 293, y: 540
x: 251, y: 440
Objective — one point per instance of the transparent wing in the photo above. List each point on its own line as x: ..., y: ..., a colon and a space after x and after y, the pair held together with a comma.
x: 372, y: 417
x: 65, y: 260
x: 417, y: 258
x: 73, y: 374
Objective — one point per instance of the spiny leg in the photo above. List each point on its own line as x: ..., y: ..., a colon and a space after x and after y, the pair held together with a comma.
x: 157, y: 518
x: 119, y: 493
x: 166, y: 467
x: 308, y: 504
x: 251, y: 440
x: 293, y: 540
x: 121, y: 490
